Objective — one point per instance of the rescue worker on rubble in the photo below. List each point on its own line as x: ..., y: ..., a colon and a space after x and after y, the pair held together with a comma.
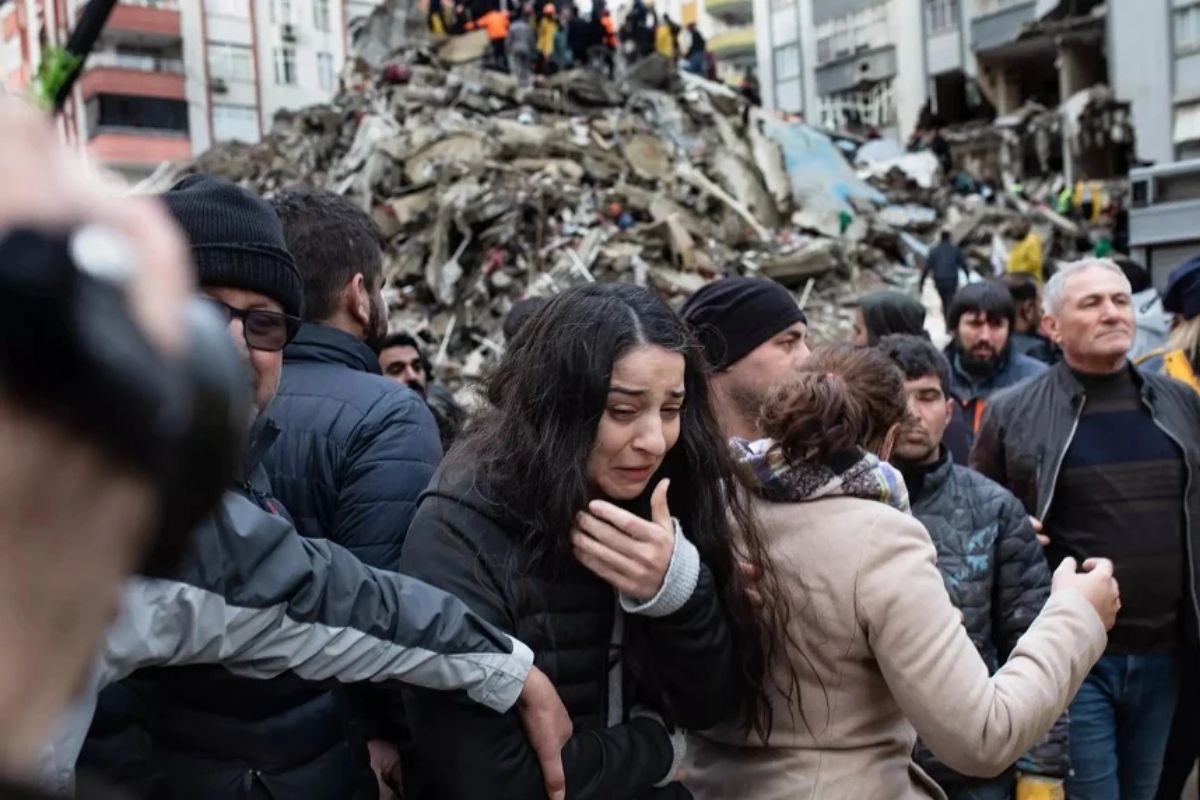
x: 988, y: 555
x: 664, y: 39
x: 1027, y: 257
x: 563, y: 57
x: 496, y: 23
x: 437, y: 21
x: 697, y: 55
x: 547, y: 29
x: 522, y: 48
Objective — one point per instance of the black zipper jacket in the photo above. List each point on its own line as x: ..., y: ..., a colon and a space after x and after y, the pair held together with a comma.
x: 1026, y: 431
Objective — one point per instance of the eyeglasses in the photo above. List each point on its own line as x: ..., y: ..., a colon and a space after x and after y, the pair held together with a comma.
x: 264, y: 330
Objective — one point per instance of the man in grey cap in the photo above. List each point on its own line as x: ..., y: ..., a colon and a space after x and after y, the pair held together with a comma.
x: 754, y: 335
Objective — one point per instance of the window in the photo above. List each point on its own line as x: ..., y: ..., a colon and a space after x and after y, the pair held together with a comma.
x: 942, y: 15
x: 234, y: 122
x: 787, y: 62
x: 787, y: 96
x: 285, y: 66
x: 228, y: 8
x: 325, y: 71
x: 281, y: 11
x: 321, y: 15
x: 140, y: 113
x: 1187, y: 28
x: 230, y: 62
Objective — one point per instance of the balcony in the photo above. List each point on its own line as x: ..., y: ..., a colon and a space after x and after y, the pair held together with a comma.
x: 147, y: 20
x: 731, y: 11
x: 133, y: 147
x: 1001, y: 28
x: 733, y: 43
x: 132, y: 82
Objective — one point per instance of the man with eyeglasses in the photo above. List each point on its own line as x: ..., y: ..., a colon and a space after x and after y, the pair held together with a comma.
x: 256, y: 610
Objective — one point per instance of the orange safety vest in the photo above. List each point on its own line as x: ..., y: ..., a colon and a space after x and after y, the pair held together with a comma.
x: 610, y: 29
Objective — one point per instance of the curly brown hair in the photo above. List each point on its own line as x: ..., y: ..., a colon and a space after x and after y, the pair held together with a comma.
x: 845, y: 397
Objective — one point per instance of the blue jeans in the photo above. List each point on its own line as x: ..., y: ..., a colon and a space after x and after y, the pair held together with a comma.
x: 1120, y: 721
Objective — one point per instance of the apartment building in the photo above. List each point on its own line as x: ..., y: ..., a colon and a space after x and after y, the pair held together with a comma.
x: 170, y: 77
x: 884, y: 64
x: 844, y: 64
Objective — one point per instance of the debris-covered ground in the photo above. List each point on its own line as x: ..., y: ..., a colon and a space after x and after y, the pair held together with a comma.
x: 488, y: 191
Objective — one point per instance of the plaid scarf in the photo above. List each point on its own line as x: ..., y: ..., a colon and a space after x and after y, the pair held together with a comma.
x: 853, y: 474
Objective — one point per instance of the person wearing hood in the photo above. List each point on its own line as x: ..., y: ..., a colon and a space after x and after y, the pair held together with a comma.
x: 886, y: 312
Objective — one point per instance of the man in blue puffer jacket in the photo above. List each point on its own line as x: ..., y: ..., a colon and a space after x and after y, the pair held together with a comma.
x: 357, y: 449
x: 988, y: 554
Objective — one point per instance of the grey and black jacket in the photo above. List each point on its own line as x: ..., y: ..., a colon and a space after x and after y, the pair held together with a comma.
x: 1025, y: 434
x: 996, y: 575
x: 273, y: 610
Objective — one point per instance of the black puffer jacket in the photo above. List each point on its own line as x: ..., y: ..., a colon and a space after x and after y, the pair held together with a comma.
x: 996, y: 575
x: 357, y: 449
x: 465, y: 543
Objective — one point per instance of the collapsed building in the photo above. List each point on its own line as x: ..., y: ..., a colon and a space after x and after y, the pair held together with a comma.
x: 488, y: 191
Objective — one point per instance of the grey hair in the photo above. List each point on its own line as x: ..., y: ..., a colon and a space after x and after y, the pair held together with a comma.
x: 1056, y: 287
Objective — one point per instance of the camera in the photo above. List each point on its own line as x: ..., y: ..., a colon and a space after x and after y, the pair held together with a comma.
x: 72, y: 352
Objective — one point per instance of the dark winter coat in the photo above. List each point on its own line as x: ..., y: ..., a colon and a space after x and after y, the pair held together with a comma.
x: 1026, y: 432
x: 946, y: 263
x: 356, y: 450
x: 467, y: 544
x: 996, y: 576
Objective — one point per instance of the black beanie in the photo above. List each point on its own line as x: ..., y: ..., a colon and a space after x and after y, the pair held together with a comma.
x: 733, y: 316
x: 236, y: 240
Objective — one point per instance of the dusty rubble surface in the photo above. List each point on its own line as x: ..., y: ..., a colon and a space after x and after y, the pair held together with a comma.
x: 487, y: 191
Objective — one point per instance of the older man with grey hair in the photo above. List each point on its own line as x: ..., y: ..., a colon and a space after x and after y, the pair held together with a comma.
x: 1104, y: 456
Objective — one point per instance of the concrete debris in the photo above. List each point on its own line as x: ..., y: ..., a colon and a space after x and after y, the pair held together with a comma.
x: 487, y: 191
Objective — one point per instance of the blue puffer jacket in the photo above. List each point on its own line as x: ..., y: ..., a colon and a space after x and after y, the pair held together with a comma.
x: 357, y: 449
x: 996, y: 575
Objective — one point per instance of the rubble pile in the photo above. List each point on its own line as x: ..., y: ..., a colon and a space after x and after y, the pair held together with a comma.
x: 488, y: 191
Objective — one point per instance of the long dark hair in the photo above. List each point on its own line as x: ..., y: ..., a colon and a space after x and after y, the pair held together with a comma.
x: 531, y: 446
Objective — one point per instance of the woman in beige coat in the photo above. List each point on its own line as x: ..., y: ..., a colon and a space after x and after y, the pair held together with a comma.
x: 878, y: 653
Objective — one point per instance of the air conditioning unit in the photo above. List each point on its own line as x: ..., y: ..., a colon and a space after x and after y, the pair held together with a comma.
x: 218, y: 85
x: 288, y: 31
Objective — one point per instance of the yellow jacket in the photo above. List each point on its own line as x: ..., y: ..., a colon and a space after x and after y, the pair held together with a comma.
x: 664, y: 43
x: 1174, y: 364
x: 1026, y: 257
x: 547, y: 28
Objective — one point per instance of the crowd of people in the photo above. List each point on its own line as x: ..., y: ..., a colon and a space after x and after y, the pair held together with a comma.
x: 527, y: 39
x: 667, y: 554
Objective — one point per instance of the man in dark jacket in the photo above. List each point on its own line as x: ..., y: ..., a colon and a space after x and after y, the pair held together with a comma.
x: 357, y: 449
x: 945, y: 262
x: 1106, y: 457
x: 981, y: 356
x: 254, y: 595
x: 988, y: 553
